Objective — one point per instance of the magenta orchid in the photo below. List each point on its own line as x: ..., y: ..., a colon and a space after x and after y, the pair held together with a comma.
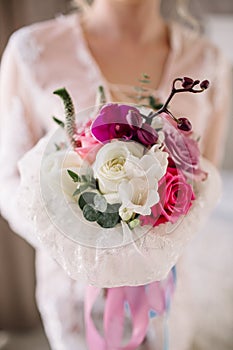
x: 123, y: 122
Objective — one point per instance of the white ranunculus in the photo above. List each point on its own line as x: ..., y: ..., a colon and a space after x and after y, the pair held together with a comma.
x: 114, y: 163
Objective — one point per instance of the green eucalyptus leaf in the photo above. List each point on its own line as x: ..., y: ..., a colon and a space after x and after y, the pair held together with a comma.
x: 75, y: 177
x: 90, y: 213
x: 108, y: 220
x: 100, y: 203
x: 84, y: 178
x: 83, y: 187
x: 86, y: 198
x: 113, y: 208
x: 80, y: 189
x: 76, y: 192
x: 92, y: 185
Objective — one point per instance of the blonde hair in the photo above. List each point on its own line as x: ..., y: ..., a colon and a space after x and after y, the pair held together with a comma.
x: 177, y: 10
x: 183, y: 11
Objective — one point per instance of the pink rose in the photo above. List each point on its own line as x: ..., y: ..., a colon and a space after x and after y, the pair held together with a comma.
x: 88, y: 145
x: 176, y: 197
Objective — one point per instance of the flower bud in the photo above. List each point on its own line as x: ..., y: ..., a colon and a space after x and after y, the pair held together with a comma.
x: 184, y: 124
x: 134, y: 223
x: 187, y: 83
x: 147, y: 135
x: 205, y: 84
x: 125, y: 214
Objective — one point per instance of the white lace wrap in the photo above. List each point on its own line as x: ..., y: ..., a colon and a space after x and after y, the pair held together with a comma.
x: 112, y: 260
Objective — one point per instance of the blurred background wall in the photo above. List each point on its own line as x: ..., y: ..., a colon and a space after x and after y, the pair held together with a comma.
x: 17, y: 279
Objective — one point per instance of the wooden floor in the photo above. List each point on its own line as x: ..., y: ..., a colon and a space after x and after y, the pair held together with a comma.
x: 31, y: 340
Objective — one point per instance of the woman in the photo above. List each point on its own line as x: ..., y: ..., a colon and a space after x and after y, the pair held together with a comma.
x: 111, y: 45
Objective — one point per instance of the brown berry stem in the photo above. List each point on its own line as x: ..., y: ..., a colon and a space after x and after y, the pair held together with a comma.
x: 171, y: 115
x: 174, y: 91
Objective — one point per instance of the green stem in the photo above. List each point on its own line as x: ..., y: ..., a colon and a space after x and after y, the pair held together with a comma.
x: 101, y: 98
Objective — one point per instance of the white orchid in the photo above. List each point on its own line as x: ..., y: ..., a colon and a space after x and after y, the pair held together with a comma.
x: 140, y: 192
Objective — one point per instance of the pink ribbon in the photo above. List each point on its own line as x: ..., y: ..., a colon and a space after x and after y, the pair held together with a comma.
x: 141, y: 300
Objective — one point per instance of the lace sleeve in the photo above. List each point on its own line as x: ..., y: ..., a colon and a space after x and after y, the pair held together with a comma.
x: 17, y: 132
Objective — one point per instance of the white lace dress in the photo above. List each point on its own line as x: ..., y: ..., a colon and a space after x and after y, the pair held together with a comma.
x: 46, y: 56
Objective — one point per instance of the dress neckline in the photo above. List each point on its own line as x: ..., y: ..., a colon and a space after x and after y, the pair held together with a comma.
x: 174, y: 44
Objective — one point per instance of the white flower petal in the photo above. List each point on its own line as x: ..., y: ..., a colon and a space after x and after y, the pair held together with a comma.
x: 125, y: 193
x: 112, y: 198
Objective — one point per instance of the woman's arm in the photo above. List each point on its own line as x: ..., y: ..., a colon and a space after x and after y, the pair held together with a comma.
x: 18, y: 133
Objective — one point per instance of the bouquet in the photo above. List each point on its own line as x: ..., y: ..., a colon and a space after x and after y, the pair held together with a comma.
x: 117, y: 191
x: 133, y: 168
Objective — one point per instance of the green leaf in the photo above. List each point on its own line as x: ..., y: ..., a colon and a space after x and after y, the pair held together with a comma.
x: 90, y: 213
x: 153, y: 103
x: 59, y: 122
x: 75, y: 177
x: 83, y: 187
x: 101, y: 98
x: 100, y: 203
x: 108, y: 220
x: 86, y: 198
x: 94, y: 183
x: 80, y: 189
x: 113, y: 208
x: 58, y: 148
x: 76, y: 192
x: 91, y: 185
x: 86, y: 178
